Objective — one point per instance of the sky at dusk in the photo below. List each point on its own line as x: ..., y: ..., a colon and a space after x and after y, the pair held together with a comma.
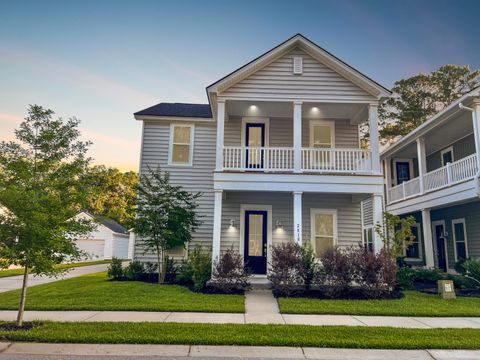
x: 103, y: 60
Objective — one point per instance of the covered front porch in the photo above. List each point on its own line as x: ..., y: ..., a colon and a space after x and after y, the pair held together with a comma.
x: 251, y: 222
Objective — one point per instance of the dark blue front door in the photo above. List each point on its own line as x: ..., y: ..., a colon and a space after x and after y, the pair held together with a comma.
x: 403, y: 172
x: 256, y: 240
x: 255, y: 141
x: 441, y: 251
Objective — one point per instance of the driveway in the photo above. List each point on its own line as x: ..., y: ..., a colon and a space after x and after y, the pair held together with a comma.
x: 15, y: 282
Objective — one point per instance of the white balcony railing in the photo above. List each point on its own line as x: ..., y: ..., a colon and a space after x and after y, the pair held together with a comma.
x: 282, y: 159
x: 450, y: 174
x: 336, y: 160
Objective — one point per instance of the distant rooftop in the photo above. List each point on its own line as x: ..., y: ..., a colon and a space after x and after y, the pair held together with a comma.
x: 178, y: 110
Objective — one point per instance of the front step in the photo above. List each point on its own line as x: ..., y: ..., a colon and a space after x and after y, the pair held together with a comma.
x: 260, y: 283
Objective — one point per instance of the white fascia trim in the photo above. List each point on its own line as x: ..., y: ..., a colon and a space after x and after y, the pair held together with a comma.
x: 172, y: 118
x: 428, y: 125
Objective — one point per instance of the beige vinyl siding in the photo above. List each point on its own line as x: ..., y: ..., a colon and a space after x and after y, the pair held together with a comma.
x: 349, y: 222
x: 281, y: 133
x: 461, y: 148
x: 195, y: 178
x: 276, y: 80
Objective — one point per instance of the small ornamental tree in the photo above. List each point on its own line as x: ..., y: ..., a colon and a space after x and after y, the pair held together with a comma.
x: 396, y: 233
x: 166, y: 215
x: 42, y: 188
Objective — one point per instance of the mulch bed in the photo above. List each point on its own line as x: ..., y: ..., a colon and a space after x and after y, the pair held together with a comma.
x: 28, y: 325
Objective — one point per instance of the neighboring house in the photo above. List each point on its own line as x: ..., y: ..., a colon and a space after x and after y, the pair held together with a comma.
x: 433, y: 174
x: 110, y: 239
x: 276, y: 154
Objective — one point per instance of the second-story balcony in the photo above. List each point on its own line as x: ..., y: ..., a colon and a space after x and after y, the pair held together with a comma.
x: 282, y: 159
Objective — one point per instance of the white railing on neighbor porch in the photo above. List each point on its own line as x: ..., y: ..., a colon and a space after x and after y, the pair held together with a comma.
x: 450, y: 174
x: 314, y: 160
x: 336, y: 160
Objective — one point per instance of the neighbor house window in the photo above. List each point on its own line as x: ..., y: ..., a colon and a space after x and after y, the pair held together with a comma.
x: 368, y: 238
x: 181, y: 144
x: 324, y: 230
x: 414, y: 250
x: 447, y: 155
x: 460, y: 239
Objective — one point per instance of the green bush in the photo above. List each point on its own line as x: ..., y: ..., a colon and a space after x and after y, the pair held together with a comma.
x: 185, y: 273
x: 201, y: 263
x: 115, y: 270
x: 170, y: 270
x: 405, y: 277
x: 151, y: 270
x: 134, y: 270
x: 308, y: 266
x: 472, y: 270
x: 459, y: 266
x: 428, y: 275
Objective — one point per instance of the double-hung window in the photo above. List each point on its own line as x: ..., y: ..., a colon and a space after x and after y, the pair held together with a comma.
x: 324, y: 230
x: 368, y: 237
x: 414, y: 250
x: 460, y: 239
x: 181, y: 144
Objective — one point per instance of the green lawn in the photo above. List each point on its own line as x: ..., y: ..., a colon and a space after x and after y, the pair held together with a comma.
x: 234, y: 334
x: 16, y: 272
x: 96, y: 292
x: 413, y: 304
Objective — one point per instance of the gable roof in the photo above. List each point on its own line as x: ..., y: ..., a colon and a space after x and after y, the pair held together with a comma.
x: 430, y: 123
x: 177, y: 110
x: 312, y: 49
x: 107, y: 222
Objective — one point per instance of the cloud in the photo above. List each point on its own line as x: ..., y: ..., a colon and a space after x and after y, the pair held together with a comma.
x: 10, y: 119
x: 80, y: 77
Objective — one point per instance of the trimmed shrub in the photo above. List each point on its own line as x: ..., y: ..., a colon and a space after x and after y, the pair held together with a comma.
x: 185, y: 273
x: 115, y: 270
x: 428, y: 275
x: 285, y: 268
x: 134, y: 271
x: 308, y: 266
x: 230, y: 273
x: 201, y: 265
x: 472, y: 270
x: 405, y: 277
x: 171, y: 270
x: 337, y: 271
x: 151, y: 270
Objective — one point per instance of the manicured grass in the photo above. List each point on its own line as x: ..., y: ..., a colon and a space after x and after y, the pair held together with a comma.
x: 234, y: 334
x: 16, y: 272
x: 413, y: 304
x: 96, y: 292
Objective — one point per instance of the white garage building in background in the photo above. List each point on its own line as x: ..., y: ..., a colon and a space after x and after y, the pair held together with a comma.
x: 110, y: 239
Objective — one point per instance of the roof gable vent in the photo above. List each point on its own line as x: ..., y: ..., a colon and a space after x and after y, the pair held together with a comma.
x: 298, y: 65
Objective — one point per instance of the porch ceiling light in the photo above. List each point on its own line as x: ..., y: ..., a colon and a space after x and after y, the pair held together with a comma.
x: 232, y: 223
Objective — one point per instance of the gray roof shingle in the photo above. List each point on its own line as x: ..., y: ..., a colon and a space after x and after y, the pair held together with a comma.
x: 178, y: 110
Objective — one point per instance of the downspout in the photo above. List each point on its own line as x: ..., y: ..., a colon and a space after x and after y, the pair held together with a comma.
x: 477, y: 144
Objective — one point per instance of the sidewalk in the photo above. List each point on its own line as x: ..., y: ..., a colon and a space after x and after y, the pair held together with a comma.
x: 239, y: 352
x: 219, y: 318
x: 15, y: 282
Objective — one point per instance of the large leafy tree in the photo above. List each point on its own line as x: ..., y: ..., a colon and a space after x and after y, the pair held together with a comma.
x: 420, y: 96
x: 42, y: 187
x: 166, y: 216
x: 112, y: 194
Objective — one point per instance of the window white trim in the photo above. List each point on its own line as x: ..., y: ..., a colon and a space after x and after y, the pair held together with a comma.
x: 410, y: 162
x: 444, y: 151
x: 459, y: 221
x: 420, y: 244
x: 434, y: 236
x: 268, y: 209
x: 255, y: 120
x: 170, y: 144
x: 329, y: 123
x: 314, y: 212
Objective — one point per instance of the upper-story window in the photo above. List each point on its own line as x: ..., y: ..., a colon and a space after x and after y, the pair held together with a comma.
x: 181, y: 144
x: 322, y: 134
x: 447, y: 155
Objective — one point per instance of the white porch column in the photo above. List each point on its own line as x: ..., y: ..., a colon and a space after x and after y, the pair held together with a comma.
x: 217, y: 224
x: 220, y: 134
x: 422, y: 162
x: 297, y: 136
x: 388, y: 177
x: 428, y: 238
x: 297, y: 216
x: 476, y: 130
x: 374, y: 140
x: 377, y: 205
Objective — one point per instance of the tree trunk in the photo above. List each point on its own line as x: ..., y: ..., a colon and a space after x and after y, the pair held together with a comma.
x: 161, y: 276
x: 164, y: 265
x: 23, y: 298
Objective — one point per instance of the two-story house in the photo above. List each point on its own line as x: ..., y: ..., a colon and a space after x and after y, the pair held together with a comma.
x: 276, y: 153
x: 433, y: 174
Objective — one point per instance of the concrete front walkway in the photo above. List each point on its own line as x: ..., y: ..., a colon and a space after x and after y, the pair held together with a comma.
x: 16, y: 350
x: 247, y: 318
x: 15, y: 282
